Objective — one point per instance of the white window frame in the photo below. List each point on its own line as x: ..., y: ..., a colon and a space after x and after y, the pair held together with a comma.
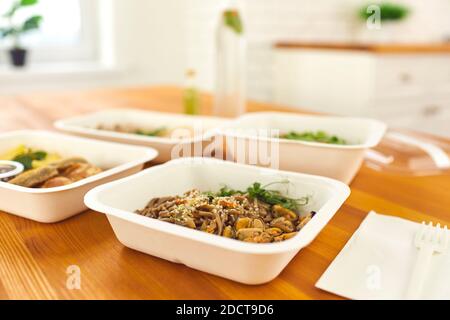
x: 86, y: 50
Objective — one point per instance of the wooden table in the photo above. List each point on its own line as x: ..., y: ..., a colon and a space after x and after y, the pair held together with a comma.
x: 34, y: 257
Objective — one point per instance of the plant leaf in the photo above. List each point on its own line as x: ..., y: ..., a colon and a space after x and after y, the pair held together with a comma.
x: 12, y: 10
x: 17, y: 4
x: 6, y: 32
x: 24, y: 3
x: 31, y: 23
x: 388, y: 12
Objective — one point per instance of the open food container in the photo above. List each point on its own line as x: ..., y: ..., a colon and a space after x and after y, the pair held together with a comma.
x: 55, y: 204
x: 250, y: 263
x: 168, y: 133
x: 254, y: 139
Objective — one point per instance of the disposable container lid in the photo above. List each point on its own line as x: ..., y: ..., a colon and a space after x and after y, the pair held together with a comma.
x: 408, y: 153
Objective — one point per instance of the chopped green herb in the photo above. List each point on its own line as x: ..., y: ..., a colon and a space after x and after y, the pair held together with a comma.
x: 274, y: 197
x: 227, y: 192
x: 40, y: 155
x: 318, y: 136
x: 259, y: 192
x: 27, y: 158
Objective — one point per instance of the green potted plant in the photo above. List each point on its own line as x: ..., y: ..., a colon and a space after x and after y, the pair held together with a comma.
x: 389, y: 12
x: 381, y: 22
x: 15, y: 30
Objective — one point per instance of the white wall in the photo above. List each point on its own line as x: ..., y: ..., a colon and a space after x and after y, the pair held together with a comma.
x: 269, y: 21
x: 151, y: 38
x: 154, y: 41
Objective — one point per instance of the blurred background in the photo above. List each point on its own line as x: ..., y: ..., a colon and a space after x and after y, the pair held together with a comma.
x: 319, y: 55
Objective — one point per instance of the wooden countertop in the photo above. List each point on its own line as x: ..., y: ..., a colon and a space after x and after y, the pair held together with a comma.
x: 34, y: 256
x: 431, y: 48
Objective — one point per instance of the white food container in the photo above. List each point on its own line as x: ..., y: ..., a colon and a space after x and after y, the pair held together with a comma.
x: 55, y: 204
x: 249, y: 263
x: 86, y: 125
x: 245, y: 142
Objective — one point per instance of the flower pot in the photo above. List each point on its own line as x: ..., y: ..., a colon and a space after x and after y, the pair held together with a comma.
x: 18, y: 56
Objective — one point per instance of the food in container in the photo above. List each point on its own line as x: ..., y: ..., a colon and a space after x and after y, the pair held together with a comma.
x: 246, y: 262
x: 262, y: 134
x: 47, y: 170
x: 179, y: 133
x: 28, y: 157
x: 82, y: 159
x: 162, y: 131
x: 257, y: 214
x: 124, y: 128
x: 311, y: 136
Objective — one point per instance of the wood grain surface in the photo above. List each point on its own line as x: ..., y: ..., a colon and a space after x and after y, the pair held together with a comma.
x: 387, y: 48
x: 34, y: 257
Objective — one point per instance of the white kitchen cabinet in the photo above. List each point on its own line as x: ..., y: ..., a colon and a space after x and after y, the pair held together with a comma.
x: 404, y: 89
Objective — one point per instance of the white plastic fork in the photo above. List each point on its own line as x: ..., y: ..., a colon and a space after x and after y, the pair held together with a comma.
x: 428, y: 240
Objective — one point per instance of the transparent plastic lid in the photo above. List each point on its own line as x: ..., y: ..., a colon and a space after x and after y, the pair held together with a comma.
x: 410, y: 153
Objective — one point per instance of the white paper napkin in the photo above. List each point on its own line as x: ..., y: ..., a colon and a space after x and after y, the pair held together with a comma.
x: 377, y: 261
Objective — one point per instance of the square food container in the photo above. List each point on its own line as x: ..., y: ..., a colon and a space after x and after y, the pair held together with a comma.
x: 86, y: 125
x: 249, y: 135
x: 249, y: 263
x: 56, y: 204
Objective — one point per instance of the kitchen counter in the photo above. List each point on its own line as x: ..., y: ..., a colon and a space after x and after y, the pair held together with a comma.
x: 405, y: 85
x: 34, y: 257
x: 436, y: 48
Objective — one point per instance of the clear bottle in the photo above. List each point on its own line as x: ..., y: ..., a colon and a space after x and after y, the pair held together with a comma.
x: 230, y: 97
x: 191, y: 99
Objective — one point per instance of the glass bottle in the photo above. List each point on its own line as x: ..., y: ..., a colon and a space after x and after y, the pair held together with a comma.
x: 230, y: 98
x: 191, y: 99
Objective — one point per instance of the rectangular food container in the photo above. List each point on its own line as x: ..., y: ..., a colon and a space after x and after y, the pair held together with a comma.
x: 56, y: 204
x: 249, y: 263
x: 86, y: 125
x: 250, y: 135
